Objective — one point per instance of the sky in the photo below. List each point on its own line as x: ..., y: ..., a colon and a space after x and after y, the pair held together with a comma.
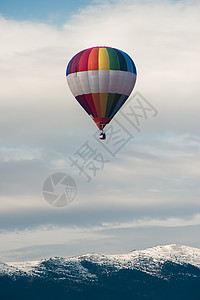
x: 145, y: 191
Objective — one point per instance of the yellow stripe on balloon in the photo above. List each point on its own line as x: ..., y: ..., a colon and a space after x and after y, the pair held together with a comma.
x: 103, y: 59
x: 103, y: 103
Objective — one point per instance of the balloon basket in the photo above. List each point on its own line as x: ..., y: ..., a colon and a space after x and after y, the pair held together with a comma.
x: 102, y: 135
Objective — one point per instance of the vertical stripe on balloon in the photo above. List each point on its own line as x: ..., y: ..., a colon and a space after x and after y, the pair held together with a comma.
x: 110, y: 100
x: 103, y: 59
x: 93, y: 59
x: 122, y: 61
x: 130, y: 65
x: 122, y: 99
x: 75, y: 62
x: 103, y: 103
x: 83, y: 102
x: 113, y: 59
x: 96, y: 100
x: 83, y: 62
x: 91, y: 104
x: 114, y: 104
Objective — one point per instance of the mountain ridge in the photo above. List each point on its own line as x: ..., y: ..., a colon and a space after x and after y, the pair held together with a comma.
x: 148, y: 260
x: 161, y: 272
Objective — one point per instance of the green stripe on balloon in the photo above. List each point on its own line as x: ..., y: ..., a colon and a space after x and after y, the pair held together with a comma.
x: 111, y: 97
x: 122, y: 61
x: 113, y: 59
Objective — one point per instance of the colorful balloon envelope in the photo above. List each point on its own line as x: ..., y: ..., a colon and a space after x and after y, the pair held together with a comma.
x: 101, y: 79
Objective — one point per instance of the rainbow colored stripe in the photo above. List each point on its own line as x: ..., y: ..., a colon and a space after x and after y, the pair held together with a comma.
x: 101, y: 58
x: 101, y: 79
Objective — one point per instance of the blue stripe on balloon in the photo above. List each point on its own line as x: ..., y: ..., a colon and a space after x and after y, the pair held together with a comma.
x: 67, y: 71
x: 130, y: 64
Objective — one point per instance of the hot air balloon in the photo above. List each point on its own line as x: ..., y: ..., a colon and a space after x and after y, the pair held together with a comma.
x: 101, y: 79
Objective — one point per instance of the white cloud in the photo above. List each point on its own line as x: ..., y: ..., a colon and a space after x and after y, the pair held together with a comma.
x: 169, y: 222
x: 17, y: 154
x: 14, y: 242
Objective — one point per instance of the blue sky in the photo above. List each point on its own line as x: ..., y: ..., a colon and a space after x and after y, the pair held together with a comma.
x: 55, y: 12
x: 145, y: 195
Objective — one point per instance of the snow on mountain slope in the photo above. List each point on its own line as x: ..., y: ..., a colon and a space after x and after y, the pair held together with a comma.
x: 6, y: 269
x: 149, y: 261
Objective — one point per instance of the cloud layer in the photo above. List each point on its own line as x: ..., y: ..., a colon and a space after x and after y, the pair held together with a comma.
x: 154, y: 179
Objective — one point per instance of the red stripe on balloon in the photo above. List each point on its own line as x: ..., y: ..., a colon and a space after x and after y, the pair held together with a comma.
x: 91, y: 104
x: 75, y: 63
x: 83, y: 62
x: 83, y: 102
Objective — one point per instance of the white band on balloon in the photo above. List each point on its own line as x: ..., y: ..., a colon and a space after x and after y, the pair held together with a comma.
x: 101, y: 81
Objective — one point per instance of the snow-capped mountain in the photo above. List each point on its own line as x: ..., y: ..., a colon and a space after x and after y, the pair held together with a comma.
x: 144, y: 274
x: 149, y: 261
